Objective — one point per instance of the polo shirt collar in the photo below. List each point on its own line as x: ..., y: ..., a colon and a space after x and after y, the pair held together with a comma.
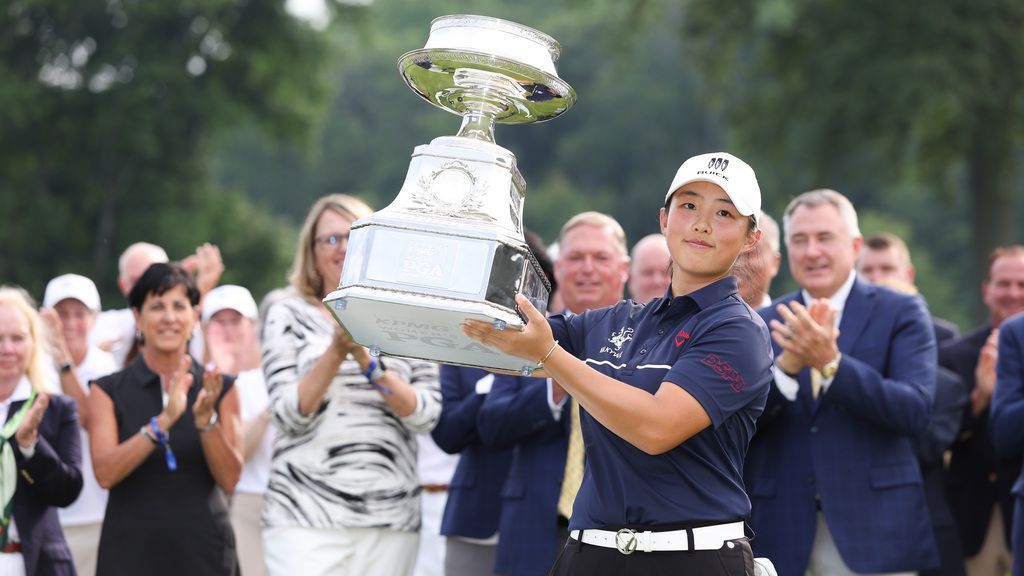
x: 703, y: 297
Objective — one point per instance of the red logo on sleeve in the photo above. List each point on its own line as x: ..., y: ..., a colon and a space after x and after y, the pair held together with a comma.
x: 727, y: 372
x: 682, y: 337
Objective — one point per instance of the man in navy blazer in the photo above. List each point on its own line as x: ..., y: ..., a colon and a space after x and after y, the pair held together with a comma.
x: 834, y: 483
x: 50, y: 478
x: 516, y: 415
x: 978, y: 480
x: 474, y: 494
x: 1007, y: 420
x: 527, y: 413
x: 885, y: 260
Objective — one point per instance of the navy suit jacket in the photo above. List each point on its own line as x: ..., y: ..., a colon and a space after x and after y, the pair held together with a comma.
x: 974, y: 463
x: 945, y: 331
x: 51, y: 478
x: 1007, y: 423
x: 516, y: 415
x: 852, y: 447
x: 474, y: 494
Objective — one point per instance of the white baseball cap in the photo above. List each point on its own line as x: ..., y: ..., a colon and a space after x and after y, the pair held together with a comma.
x: 72, y: 286
x: 735, y: 176
x: 229, y: 297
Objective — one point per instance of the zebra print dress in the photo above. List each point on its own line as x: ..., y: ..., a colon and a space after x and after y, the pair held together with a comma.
x: 352, y: 463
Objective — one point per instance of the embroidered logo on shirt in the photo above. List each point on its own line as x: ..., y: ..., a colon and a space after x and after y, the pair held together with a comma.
x: 727, y: 372
x: 682, y: 337
x: 621, y: 337
x: 618, y: 339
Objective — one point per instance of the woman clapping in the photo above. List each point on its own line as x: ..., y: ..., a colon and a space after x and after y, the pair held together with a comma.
x: 40, y: 452
x: 165, y: 441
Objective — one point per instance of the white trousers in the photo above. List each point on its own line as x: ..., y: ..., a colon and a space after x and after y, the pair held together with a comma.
x: 292, y: 550
x: 245, y: 520
x: 84, y: 542
x: 430, y: 558
x: 825, y: 558
x: 12, y: 564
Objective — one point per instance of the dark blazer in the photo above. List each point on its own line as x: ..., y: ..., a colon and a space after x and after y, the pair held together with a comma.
x: 516, y: 415
x: 1007, y: 419
x: 51, y: 478
x: 852, y: 447
x: 977, y: 478
x: 929, y: 446
x: 474, y: 494
x: 945, y: 331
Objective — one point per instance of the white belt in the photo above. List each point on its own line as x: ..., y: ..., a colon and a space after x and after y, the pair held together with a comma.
x: 628, y: 541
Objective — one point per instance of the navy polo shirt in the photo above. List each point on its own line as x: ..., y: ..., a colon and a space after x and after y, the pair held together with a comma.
x: 709, y: 343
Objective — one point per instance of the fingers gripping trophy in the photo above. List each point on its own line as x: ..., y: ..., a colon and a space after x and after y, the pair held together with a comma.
x: 451, y: 246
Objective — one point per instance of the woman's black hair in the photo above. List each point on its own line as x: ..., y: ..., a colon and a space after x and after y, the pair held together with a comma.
x: 158, y: 279
x: 536, y: 245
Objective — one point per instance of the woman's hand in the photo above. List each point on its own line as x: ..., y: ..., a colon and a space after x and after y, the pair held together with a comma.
x: 206, y: 402
x: 28, y: 430
x: 345, y: 345
x: 534, y: 342
x: 177, y: 394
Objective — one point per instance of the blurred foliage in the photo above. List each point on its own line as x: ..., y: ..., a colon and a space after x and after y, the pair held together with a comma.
x: 223, y: 120
x: 107, y: 112
x: 637, y: 117
x: 909, y: 109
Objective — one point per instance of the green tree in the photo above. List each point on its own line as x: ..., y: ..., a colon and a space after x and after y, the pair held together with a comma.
x: 107, y: 115
x: 637, y: 117
x: 876, y: 93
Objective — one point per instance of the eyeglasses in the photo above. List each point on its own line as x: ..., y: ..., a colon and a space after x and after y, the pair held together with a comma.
x: 330, y: 241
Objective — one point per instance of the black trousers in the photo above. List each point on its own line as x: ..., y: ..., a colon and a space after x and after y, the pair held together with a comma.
x: 734, y: 558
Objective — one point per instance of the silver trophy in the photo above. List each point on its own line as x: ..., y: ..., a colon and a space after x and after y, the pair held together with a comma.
x: 451, y: 246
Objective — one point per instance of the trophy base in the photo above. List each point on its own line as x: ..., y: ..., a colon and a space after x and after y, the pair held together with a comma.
x: 423, y: 327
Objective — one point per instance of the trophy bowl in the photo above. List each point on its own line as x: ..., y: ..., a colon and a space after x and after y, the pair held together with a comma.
x: 468, y: 58
x: 450, y: 247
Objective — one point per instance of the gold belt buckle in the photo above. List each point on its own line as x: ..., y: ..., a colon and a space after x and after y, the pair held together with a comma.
x: 625, y: 541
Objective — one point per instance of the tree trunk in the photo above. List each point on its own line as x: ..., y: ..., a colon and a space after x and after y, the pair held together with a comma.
x: 103, y: 247
x: 990, y: 193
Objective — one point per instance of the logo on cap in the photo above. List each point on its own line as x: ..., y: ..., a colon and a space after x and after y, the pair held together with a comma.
x: 718, y: 164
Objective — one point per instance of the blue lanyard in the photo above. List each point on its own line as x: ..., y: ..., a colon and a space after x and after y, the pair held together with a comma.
x: 163, y: 440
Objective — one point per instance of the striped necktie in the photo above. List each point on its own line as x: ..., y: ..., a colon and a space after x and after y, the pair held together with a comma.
x: 573, y: 464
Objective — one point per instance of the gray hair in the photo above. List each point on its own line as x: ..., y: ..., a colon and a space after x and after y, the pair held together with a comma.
x: 821, y: 197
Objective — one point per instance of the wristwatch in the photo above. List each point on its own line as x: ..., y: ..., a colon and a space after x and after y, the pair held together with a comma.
x: 65, y: 367
x: 830, y: 367
x: 209, y: 425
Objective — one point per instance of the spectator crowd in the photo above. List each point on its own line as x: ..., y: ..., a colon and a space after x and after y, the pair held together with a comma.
x: 190, y: 430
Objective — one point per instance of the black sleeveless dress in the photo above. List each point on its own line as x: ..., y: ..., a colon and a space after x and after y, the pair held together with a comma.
x: 160, y: 522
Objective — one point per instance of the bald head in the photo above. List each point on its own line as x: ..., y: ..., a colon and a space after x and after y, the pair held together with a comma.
x: 134, y: 261
x: 649, y: 273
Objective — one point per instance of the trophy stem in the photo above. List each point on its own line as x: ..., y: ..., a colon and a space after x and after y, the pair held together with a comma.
x: 478, y: 125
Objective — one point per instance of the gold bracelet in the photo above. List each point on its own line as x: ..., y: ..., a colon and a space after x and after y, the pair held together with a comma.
x: 548, y: 355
